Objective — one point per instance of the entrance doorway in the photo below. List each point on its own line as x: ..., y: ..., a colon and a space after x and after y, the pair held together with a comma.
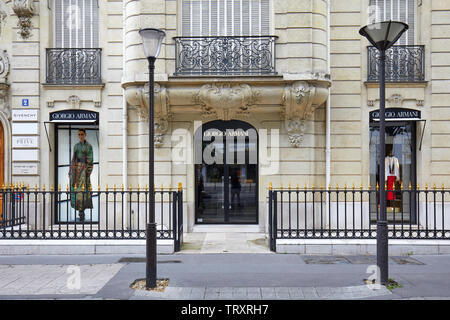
x: 226, y: 173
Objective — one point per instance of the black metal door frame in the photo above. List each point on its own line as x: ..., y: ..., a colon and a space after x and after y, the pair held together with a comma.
x: 223, y: 126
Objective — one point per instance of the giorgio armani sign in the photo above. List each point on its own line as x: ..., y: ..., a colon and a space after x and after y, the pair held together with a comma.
x: 74, y: 116
x: 400, y: 114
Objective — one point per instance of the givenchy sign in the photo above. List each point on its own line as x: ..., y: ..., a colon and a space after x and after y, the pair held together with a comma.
x: 392, y: 114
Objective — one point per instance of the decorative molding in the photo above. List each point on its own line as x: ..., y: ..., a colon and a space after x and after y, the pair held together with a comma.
x: 24, y: 10
x: 50, y: 104
x: 138, y: 98
x: 4, y: 86
x: 300, y: 100
x: 295, y: 129
x: 370, y: 103
x: 3, y: 16
x: 74, y: 102
x: 225, y: 101
x: 395, y: 100
x: 420, y: 103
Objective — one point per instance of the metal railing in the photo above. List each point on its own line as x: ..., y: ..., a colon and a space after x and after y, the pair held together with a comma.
x: 352, y: 214
x: 239, y: 55
x: 403, y: 64
x: 74, y: 66
x: 115, y: 214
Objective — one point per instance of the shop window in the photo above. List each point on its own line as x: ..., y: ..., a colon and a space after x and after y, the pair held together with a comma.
x: 400, y: 170
x: 67, y: 211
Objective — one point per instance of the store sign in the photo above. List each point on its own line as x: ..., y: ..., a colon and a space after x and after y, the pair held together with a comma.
x: 25, y: 168
x: 74, y: 116
x: 396, y: 114
x: 25, y: 142
x: 25, y: 115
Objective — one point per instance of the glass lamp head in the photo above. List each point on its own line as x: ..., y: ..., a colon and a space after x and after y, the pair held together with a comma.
x: 384, y: 34
x: 151, y: 40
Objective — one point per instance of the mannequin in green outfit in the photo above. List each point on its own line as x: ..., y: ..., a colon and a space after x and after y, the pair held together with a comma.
x: 79, y: 174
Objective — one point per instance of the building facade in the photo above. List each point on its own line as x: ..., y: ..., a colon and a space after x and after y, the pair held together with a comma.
x: 248, y: 93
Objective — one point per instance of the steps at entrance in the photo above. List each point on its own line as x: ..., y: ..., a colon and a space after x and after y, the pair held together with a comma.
x: 247, y: 228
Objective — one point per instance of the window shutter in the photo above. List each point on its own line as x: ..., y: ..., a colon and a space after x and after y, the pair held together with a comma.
x: 225, y: 17
x: 76, y: 23
x: 399, y: 10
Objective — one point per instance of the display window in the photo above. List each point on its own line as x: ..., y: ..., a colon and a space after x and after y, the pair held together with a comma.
x: 77, y: 154
x: 400, y: 170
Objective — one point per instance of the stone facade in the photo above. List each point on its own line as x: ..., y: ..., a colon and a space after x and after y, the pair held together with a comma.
x: 292, y: 101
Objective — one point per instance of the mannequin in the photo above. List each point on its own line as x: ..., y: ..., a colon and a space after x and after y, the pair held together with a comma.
x: 392, y: 174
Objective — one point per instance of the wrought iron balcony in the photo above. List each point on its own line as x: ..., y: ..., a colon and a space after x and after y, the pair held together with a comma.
x: 403, y: 64
x: 246, y: 55
x: 74, y: 66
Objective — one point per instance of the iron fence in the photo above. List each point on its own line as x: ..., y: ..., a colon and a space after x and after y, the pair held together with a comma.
x: 74, y: 66
x: 115, y: 214
x: 239, y: 55
x: 353, y: 213
x: 403, y: 64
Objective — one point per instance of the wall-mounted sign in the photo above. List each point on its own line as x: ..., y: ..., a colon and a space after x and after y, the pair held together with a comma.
x: 25, y: 155
x: 25, y: 115
x: 25, y: 142
x: 25, y: 168
x: 74, y: 116
x: 25, y: 102
x: 24, y: 128
x: 396, y: 114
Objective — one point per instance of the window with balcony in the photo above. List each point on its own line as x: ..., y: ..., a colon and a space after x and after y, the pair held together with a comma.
x: 225, y: 37
x: 404, y: 61
x: 75, y: 58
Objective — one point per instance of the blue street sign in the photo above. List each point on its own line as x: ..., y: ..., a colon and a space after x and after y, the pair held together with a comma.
x: 25, y: 103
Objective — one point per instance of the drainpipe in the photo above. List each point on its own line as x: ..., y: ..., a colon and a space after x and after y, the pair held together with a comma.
x: 328, y: 113
x: 124, y: 110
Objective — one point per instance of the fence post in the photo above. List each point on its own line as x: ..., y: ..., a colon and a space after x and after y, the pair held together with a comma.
x: 275, y: 222
x: 175, y: 222
x: 270, y: 220
x: 180, y: 214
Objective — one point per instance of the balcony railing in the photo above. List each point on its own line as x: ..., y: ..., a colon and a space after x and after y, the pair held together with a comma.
x: 74, y: 66
x: 242, y: 55
x: 403, y: 64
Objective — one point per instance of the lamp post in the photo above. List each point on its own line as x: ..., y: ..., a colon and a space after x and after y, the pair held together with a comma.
x: 151, y: 40
x: 383, y: 35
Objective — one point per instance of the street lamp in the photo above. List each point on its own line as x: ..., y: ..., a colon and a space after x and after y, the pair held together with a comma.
x: 151, y: 40
x: 383, y: 35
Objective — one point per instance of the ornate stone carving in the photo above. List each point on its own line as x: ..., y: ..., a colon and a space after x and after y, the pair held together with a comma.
x: 395, y: 100
x: 138, y: 98
x: 419, y: 103
x: 74, y: 102
x: 4, y: 66
x: 3, y: 16
x: 295, y: 129
x: 24, y: 10
x: 370, y: 103
x: 299, y: 101
x: 225, y: 101
x: 4, y: 86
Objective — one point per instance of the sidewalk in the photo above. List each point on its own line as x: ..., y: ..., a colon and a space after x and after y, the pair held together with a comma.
x: 221, y: 276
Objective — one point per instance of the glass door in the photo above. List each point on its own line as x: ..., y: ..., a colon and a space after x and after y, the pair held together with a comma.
x: 226, y: 178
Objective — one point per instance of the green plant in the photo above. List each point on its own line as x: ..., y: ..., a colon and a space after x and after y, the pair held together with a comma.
x: 392, y: 284
x: 410, y: 253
